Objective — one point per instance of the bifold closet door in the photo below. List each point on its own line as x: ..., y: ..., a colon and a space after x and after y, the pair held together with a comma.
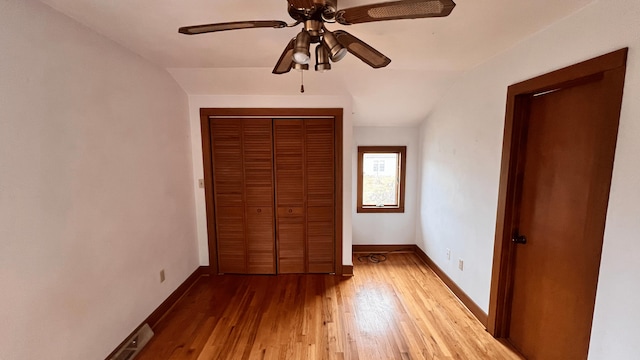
x: 305, y: 195
x: 320, y: 191
x: 243, y: 194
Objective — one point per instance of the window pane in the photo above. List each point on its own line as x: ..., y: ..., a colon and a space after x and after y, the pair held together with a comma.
x: 380, y: 179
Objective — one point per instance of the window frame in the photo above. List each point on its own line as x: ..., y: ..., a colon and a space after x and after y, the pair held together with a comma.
x: 402, y: 153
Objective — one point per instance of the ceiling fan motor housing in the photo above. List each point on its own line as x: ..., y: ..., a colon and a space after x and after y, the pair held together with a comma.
x: 320, y: 10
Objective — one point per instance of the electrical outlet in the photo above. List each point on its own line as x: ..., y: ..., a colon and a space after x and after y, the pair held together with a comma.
x: 162, y: 276
x: 461, y: 264
x: 448, y: 254
x: 201, y: 183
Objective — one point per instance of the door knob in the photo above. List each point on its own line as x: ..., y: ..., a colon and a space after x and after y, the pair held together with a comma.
x: 519, y: 239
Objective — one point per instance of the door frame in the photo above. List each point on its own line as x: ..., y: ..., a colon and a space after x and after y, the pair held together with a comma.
x: 511, y: 172
x: 272, y: 113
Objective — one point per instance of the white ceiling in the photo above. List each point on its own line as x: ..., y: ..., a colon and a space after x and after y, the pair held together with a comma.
x: 427, y: 54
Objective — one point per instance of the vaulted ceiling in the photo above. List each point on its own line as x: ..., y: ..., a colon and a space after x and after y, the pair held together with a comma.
x: 427, y: 54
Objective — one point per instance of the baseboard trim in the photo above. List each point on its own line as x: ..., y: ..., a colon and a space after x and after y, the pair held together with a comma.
x: 159, y: 313
x: 347, y: 270
x: 166, y: 305
x: 455, y: 289
x: 383, y: 248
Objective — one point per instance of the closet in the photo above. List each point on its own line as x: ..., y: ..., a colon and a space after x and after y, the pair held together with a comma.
x: 273, y: 189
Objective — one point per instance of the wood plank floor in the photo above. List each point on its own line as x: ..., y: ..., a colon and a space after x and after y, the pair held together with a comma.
x: 397, y: 309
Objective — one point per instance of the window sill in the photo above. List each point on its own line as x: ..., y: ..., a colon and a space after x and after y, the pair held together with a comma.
x: 375, y: 209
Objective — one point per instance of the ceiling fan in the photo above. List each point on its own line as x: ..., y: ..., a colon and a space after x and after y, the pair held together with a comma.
x: 332, y: 46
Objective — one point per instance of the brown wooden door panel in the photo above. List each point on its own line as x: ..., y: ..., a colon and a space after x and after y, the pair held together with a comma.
x: 291, y: 211
x: 258, y: 162
x: 258, y: 192
x: 320, y: 191
x: 231, y: 259
x: 260, y: 241
x: 320, y: 167
x: 323, y: 214
x: 231, y: 239
x: 291, y: 245
x: 569, y: 152
x: 227, y: 200
x: 243, y: 183
x: 320, y: 238
x: 289, y: 161
x: 322, y: 262
x: 228, y: 178
x: 320, y: 246
x: 288, y: 137
x: 290, y: 188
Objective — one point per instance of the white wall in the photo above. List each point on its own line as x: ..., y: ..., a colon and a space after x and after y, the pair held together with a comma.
x: 461, y: 149
x: 388, y: 228
x: 96, y: 187
x: 196, y: 102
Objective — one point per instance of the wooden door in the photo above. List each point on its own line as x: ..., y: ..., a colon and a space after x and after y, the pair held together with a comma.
x: 320, y: 190
x: 305, y: 195
x: 289, y: 162
x: 226, y: 148
x: 258, y: 187
x: 568, y: 152
x: 243, y: 195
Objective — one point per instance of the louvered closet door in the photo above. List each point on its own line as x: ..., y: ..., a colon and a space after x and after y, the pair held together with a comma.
x: 243, y: 186
x: 320, y: 184
x: 289, y: 166
x: 258, y: 183
x: 305, y: 195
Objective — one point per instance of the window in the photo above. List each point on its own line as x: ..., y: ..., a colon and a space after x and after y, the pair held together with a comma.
x: 381, y: 174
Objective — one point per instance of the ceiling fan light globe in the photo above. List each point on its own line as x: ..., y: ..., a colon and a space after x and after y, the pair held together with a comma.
x: 301, y: 53
x: 301, y: 58
x: 339, y: 54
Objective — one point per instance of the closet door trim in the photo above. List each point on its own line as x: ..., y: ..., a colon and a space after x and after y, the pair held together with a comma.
x: 280, y: 113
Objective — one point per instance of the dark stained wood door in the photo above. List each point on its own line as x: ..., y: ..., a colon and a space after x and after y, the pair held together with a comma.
x: 320, y: 189
x: 243, y: 183
x: 305, y: 195
x: 258, y: 186
x: 226, y: 148
x: 569, y: 149
x: 290, y: 195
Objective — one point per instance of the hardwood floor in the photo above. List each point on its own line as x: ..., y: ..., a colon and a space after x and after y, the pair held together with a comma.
x: 397, y: 309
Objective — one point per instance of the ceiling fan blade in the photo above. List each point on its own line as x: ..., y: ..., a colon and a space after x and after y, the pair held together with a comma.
x: 395, y: 10
x: 362, y: 50
x: 200, y: 29
x: 285, y: 62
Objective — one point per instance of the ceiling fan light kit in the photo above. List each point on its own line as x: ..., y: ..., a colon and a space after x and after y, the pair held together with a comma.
x: 301, y: 52
x: 336, y: 51
x: 322, y: 58
x: 332, y: 46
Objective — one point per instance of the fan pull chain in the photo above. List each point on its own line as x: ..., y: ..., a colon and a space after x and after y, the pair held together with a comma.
x: 302, y: 81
